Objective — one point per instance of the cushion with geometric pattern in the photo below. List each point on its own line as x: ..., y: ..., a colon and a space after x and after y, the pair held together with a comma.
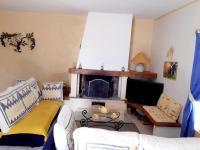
x: 12, y: 107
x: 52, y: 91
x: 35, y: 88
x: 27, y: 96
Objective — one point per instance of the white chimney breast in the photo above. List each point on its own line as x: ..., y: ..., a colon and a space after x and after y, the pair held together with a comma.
x: 106, y: 41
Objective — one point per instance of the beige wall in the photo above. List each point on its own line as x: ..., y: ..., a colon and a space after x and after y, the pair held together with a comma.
x: 176, y: 30
x: 58, y: 39
x: 142, y: 32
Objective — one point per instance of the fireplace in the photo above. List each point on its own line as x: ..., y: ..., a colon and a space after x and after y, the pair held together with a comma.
x: 98, y: 84
x: 95, y: 86
x: 89, y: 87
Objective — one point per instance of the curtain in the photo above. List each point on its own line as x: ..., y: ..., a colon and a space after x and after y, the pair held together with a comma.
x: 190, y: 115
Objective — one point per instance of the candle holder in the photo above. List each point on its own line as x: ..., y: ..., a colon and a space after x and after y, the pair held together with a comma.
x: 102, y: 68
x: 80, y: 66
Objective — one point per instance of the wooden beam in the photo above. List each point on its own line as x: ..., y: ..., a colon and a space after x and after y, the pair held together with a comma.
x: 143, y: 75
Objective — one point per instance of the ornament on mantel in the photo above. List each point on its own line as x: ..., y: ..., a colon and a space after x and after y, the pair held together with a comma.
x: 140, y: 62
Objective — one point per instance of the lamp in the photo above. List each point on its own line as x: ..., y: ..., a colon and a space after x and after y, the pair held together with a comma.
x: 140, y: 61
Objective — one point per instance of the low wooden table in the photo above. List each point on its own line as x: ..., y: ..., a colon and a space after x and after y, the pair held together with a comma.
x: 103, y: 120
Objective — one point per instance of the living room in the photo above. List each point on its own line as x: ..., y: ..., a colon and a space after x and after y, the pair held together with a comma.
x: 162, y: 31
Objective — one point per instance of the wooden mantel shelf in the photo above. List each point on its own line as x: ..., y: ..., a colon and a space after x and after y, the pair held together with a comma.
x: 144, y: 75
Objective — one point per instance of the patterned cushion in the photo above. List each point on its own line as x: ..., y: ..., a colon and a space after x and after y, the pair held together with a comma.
x: 158, y: 115
x: 174, y: 109
x: 11, y: 106
x: 163, y: 102
x: 35, y: 88
x: 169, y: 106
x: 20, y: 81
x: 52, y: 91
x: 27, y: 96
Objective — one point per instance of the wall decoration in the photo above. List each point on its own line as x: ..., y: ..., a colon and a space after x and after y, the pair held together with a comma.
x: 18, y: 41
x: 170, y: 54
x: 170, y: 70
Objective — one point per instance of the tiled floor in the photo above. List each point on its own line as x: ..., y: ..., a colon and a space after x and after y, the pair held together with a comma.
x: 144, y: 129
x: 19, y: 148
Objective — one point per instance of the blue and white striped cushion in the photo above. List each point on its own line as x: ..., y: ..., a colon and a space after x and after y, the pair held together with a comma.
x: 52, y: 91
x: 15, y: 102
x: 27, y: 96
x: 12, y: 108
x: 20, y: 81
x: 35, y: 88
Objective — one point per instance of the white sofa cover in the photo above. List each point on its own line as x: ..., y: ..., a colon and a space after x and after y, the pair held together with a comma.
x: 64, y: 128
x: 99, y: 139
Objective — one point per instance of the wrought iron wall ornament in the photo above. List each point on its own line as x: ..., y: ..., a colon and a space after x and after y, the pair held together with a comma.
x: 17, y: 40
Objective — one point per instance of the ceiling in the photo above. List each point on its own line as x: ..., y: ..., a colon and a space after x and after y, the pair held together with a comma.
x: 139, y: 8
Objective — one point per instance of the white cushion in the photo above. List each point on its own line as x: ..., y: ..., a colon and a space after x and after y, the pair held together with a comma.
x: 52, y: 91
x: 60, y: 137
x: 98, y: 139
x: 148, y: 142
x: 65, y: 124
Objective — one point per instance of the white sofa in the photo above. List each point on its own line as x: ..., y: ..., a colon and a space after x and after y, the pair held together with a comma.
x: 99, y: 139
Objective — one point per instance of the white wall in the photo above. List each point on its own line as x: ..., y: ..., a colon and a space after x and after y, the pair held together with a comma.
x: 106, y: 41
x: 176, y: 30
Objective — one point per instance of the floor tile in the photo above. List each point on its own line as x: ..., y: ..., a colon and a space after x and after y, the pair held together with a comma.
x: 17, y: 148
x: 4, y: 147
x: 144, y: 129
x: 35, y: 148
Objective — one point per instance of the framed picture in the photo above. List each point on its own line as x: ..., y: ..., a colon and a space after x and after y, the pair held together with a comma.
x: 170, y: 70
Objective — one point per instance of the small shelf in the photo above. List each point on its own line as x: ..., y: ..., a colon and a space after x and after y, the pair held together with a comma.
x: 144, y: 75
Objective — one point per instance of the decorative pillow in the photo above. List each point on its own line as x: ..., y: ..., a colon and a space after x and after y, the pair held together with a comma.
x: 163, y: 102
x: 35, y: 88
x: 64, y: 129
x: 27, y: 95
x: 52, y: 91
x: 169, y: 106
x: 20, y: 81
x: 12, y: 107
x: 174, y: 109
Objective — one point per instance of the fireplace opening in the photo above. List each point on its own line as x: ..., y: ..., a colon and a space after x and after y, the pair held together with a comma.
x: 93, y: 86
